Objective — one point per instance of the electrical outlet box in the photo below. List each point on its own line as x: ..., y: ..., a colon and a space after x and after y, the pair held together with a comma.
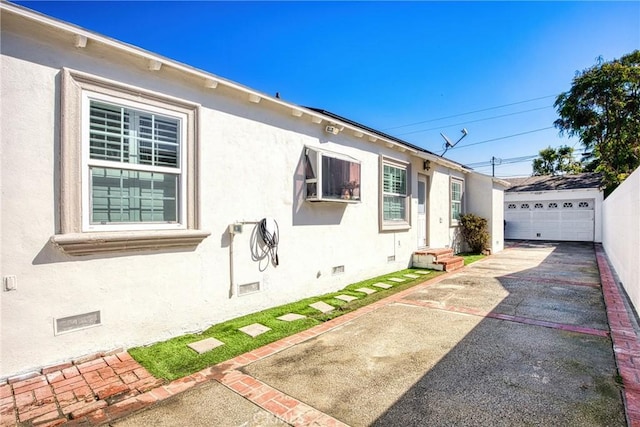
x: 235, y: 228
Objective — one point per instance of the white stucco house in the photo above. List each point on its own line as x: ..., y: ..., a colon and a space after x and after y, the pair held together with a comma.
x: 133, y: 188
x: 556, y: 208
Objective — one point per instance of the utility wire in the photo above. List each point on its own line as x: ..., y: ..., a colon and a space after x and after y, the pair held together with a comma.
x: 478, y: 120
x: 504, y: 161
x: 502, y: 137
x: 471, y: 112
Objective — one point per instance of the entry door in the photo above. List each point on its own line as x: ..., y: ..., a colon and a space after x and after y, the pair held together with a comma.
x: 422, y: 210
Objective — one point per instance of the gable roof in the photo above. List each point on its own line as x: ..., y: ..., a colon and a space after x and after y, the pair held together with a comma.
x: 556, y: 182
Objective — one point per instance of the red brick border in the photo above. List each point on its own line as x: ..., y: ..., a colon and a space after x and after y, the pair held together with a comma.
x: 626, y: 344
x: 71, y: 391
x: 283, y: 406
x: 100, y: 388
x: 510, y: 318
x: 103, y: 388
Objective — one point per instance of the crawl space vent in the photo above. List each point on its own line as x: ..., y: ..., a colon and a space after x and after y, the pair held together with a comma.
x: 248, y: 288
x: 75, y: 323
x: 338, y: 269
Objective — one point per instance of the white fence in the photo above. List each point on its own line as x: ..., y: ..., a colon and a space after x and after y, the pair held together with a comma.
x: 621, y: 234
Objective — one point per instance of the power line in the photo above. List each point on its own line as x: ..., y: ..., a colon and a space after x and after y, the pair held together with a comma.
x: 478, y: 120
x: 470, y: 112
x: 504, y: 161
x: 502, y: 137
x: 512, y: 176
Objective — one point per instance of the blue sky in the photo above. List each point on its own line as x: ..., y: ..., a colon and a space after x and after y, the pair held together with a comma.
x: 411, y: 69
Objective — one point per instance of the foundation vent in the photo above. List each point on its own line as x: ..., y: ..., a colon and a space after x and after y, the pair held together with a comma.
x: 248, y: 288
x: 337, y: 269
x: 77, y: 322
x: 391, y: 258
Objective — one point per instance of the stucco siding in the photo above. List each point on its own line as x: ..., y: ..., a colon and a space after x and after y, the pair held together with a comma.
x: 250, y: 166
x: 485, y: 199
x: 621, y: 234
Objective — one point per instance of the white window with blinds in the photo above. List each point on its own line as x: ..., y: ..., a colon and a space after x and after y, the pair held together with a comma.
x: 457, y: 200
x: 133, y: 165
x: 394, y: 197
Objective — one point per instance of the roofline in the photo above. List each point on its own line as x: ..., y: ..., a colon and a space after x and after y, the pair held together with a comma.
x: 211, y: 81
x: 413, y: 148
x: 500, y: 181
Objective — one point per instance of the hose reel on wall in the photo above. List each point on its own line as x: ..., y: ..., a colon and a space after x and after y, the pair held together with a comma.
x: 267, y: 248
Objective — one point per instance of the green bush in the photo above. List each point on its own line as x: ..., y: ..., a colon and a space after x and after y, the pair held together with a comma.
x: 474, y: 232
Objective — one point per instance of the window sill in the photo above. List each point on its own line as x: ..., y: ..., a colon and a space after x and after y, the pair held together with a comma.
x: 396, y: 227
x: 119, y: 241
x: 315, y: 200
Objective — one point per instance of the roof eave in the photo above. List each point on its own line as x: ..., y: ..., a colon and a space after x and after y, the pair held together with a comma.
x: 212, y: 81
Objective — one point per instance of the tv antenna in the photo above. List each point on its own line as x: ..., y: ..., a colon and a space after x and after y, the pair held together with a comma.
x: 448, y: 144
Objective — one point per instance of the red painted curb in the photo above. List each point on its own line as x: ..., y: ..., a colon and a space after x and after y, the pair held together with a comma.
x: 626, y: 343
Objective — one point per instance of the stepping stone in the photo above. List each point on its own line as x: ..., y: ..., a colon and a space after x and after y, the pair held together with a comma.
x: 205, y: 345
x: 396, y: 279
x: 347, y: 298
x: 412, y: 276
x: 421, y: 272
x: 322, y: 306
x: 382, y: 285
x: 254, y: 330
x: 367, y: 291
x: 290, y: 317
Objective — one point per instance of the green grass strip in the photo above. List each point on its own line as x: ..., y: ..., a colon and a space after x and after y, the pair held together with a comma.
x: 172, y: 359
x: 469, y: 257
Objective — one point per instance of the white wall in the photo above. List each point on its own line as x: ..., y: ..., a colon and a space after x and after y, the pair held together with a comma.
x: 250, y: 167
x: 621, y: 234
x: 484, y: 198
x: 438, y: 207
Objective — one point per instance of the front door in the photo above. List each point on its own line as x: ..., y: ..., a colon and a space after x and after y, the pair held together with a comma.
x: 422, y: 210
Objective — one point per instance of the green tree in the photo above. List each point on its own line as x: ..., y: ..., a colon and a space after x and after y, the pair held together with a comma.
x: 602, y: 108
x: 556, y: 161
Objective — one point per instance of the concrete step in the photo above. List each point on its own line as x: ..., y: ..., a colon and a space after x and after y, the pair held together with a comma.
x: 441, y: 259
x: 451, y: 263
x: 436, y: 253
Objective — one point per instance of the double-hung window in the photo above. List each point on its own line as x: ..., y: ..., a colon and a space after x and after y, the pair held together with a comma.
x: 457, y: 200
x: 394, y: 198
x: 128, y: 168
x: 134, y: 165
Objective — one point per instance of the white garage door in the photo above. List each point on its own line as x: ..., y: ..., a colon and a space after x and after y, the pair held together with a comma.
x: 570, y: 220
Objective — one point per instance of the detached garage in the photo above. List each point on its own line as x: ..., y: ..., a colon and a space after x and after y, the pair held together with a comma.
x: 564, y: 207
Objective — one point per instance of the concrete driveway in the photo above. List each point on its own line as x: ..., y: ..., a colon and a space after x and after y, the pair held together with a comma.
x: 520, y: 338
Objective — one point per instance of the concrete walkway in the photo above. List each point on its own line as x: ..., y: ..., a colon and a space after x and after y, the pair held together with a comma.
x: 520, y: 338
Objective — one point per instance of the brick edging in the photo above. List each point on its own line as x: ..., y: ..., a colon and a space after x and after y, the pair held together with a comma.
x: 626, y: 343
x: 99, y: 389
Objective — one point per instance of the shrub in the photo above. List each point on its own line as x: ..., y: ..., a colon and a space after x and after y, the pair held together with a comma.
x: 474, y: 232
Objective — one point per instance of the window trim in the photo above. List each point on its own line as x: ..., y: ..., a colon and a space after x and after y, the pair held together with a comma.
x: 454, y: 222
x: 87, y: 163
x: 394, y: 225
x: 71, y: 237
